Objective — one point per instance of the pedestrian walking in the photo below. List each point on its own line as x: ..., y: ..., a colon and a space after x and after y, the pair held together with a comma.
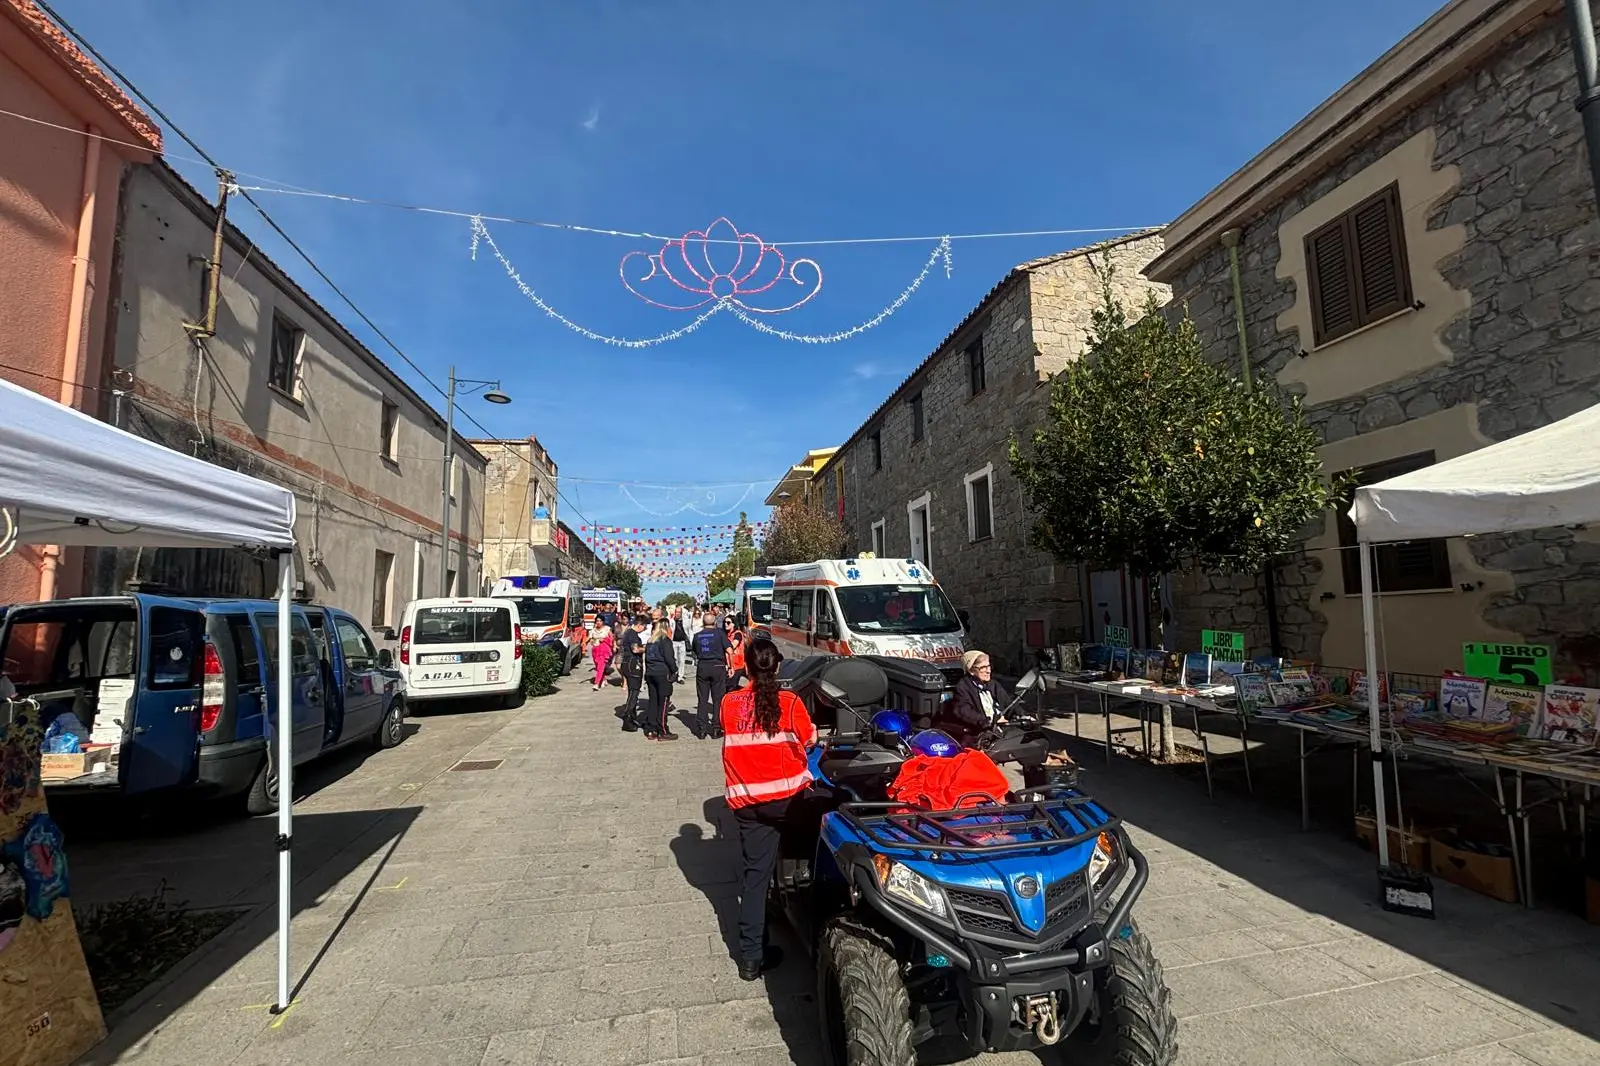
x: 764, y: 765
x: 630, y: 649
x: 710, y: 676
x: 661, y: 673
x: 604, y: 643
x: 680, y: 637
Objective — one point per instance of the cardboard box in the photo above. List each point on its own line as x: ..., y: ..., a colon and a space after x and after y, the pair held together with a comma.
x: 93, y: 759
x: 1405, y: 845
x: 1486, y: 869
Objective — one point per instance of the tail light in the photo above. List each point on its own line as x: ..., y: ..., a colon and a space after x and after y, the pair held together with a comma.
x: 516, y: 640
x: 212, y: 690
x: 405, y: 646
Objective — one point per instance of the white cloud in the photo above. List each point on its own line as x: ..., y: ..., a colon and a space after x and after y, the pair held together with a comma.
x: 867, y: 370
x: 593, y: 121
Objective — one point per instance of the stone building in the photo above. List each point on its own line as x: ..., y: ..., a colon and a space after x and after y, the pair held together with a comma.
x: 926, y: 476
x: 522, y: 531
x: 1418, y: 260
x: 284, y: 392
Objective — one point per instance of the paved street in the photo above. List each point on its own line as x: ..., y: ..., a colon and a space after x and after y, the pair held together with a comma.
x: 567, y: 901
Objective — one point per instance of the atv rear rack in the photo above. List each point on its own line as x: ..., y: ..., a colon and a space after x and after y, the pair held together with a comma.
x: 894, y: 826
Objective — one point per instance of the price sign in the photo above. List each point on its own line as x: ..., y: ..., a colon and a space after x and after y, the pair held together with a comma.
x: 1515, y: 664
x: 1222, y: 645
x: 1119, y: 637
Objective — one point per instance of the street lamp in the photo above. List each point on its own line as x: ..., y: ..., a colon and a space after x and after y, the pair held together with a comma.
x: 492, y: 394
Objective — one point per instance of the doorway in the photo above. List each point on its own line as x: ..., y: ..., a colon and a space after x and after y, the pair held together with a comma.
x: 1118, y: 599
x: 920, y: 528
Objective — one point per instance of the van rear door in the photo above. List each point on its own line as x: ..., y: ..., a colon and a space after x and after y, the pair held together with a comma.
x: 162, y: 748
x: 462, y: 646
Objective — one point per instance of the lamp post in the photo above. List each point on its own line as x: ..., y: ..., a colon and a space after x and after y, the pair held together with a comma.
x: 492, y: 394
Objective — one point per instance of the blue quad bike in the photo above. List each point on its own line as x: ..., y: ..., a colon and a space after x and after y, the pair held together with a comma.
x: 996, y: 927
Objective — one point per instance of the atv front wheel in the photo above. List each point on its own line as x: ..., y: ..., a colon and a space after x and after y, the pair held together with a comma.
x: 1130, y: 1023
x: 866, y: 1014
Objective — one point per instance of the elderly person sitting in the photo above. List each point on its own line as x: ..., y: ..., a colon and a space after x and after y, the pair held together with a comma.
x: 978, y: 697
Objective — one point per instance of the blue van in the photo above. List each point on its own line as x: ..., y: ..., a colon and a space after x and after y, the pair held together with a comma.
x: 187, y: 688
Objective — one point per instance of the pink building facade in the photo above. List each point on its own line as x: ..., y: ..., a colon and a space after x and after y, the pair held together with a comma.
x: 59, y: 182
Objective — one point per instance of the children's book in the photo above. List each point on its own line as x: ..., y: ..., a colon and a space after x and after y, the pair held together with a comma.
x: 1290, y: 693
x: 1412, y: 707
x: 1568, y: 715
x: 1294, y: 673
x: 1512, y: 705
x: 1461, y: 698
x: 1253, y: 692
x: 1359, y: 688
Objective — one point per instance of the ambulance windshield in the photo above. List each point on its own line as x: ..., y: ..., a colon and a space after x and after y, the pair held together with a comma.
x: 897, y: 609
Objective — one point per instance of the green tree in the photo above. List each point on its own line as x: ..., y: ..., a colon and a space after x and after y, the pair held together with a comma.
x: 741, y: 561
x: 677, y: 599
x: 616, y: 574
x: 1154, y: 459
x: 800, y: 533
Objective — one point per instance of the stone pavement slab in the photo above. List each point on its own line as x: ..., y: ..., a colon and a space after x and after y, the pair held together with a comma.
x: 574, y: 905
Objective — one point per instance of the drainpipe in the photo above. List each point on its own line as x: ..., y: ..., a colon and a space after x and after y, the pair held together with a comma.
x: 1583, y: 55
x: 77, y: 306
x: 1269, y: 577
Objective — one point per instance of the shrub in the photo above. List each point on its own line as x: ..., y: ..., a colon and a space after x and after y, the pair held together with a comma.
x: 540, y: 668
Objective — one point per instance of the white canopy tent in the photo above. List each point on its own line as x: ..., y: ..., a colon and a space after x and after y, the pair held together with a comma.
x: 1547, y: 477
x: 69, y: 479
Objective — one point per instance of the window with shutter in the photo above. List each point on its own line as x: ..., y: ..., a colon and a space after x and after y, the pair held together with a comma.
x: 1356, y: 268
x: 1412, y: 566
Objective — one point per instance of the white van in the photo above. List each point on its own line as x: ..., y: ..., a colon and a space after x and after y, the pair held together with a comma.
x: 864, y: 606
x: 461, y: 648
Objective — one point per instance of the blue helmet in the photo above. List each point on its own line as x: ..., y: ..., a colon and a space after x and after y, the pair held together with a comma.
x: 935, y: 742
x: 891, y: 727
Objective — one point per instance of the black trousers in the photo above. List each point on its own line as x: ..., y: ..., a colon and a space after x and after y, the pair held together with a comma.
x: 634, y: 680
x: 710, y: 682
x: 655, y: 719
x: 759, y: 836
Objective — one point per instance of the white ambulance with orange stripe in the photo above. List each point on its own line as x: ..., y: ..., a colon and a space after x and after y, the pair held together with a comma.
x: 864, y: 606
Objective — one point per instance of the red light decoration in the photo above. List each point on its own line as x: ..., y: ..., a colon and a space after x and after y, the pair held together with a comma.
x: 718, y: 265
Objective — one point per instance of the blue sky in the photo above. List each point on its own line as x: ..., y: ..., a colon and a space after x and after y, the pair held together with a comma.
x: 831, y: 119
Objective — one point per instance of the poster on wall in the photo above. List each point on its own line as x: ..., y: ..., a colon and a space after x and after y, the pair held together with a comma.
x: 49, y: 1015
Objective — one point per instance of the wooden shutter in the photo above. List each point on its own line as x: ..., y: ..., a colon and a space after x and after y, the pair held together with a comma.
x: 1331, y: 272
x: 1382, y: 279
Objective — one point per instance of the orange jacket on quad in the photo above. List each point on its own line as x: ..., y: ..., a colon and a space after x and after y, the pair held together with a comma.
x: 942, y: 784
x: 758, y: 768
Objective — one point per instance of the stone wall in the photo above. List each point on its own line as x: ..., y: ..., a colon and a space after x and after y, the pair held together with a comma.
x: 1032, y: 327
x: 1523, y: 352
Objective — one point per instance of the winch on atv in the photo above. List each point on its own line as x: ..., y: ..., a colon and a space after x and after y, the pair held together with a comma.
x: 1007, y: 925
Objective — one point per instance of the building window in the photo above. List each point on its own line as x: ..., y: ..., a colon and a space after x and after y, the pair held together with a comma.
x: 1412, y: 566
x: 879, y: 539
x: 975, y: 370
x: 1356, y: 268
x: 920, y: 528
x: 838, y: 488
x: 980, y: 503
x: 389, y: 431
x: 455, y: 477
x: 288, y: 345
x: 449, y: 582
x: 382, y: 576
x: 877, y: 449
x: 916, y: 418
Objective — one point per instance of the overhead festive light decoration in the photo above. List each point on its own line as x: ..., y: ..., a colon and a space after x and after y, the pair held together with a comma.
x: 686, y: 262
x: 710, y: 499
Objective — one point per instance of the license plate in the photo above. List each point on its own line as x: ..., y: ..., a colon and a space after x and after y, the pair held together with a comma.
x: 442, y: 658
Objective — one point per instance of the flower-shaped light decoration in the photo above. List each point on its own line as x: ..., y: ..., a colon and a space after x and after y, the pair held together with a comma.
x: 719, y: 265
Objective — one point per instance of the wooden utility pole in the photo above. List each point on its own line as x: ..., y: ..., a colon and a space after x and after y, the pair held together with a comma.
x: 214, y: 276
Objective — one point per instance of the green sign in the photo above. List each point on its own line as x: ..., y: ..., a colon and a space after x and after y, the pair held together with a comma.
x: 1222, y: 645
x: 1119, y: 637
x: 1515, y: 664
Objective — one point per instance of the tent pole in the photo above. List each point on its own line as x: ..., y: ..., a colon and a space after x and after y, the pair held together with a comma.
x: 1374, y: 687
x: 284, y: 732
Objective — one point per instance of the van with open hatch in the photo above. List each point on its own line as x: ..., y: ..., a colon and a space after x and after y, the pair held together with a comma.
x: 462, y: 647
x: 864, y: 606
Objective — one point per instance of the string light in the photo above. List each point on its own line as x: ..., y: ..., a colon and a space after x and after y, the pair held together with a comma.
x: 711, y: 498
x: 728, y: 301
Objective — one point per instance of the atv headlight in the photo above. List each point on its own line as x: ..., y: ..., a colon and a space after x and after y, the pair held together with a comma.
x: 1104, y: 860
x: 905, y: 884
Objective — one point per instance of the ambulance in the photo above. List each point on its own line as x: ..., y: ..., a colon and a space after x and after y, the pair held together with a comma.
x: 864, y: 606
x: 752, y: 602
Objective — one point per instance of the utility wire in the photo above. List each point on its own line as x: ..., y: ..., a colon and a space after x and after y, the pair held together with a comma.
x: 207, y: 158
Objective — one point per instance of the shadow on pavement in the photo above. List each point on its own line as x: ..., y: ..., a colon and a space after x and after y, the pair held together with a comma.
x: 1546, y: 962
x: 712, y: 865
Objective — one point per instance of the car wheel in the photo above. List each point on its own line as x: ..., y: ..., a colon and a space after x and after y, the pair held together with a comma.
x: 392, y: 730
x: 262, y: 795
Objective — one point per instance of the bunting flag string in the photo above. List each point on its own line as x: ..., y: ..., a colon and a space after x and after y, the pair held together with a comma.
x: 754, y: 526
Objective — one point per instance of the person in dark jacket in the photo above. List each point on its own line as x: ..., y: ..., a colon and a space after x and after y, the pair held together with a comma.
x: 661, y: 673
x: 978, y: 697
x: 630, y: 649
x: 710, y: 675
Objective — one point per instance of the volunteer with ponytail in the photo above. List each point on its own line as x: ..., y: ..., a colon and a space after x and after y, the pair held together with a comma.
x: 765, y: 735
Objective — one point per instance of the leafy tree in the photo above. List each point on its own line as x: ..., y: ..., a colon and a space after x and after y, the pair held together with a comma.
x: 799, y: 533
x: 677, y: 599
x: 741, y: 561
x: 1154, y: 459
x: 616, y: 574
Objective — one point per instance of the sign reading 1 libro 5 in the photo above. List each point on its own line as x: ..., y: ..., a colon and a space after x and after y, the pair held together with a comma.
x: 1517, y: 664
x: 1118, y: 636
x: 1222, y: 645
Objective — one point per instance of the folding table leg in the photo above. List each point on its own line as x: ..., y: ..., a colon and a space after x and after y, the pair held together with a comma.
x: 1305, y: 797
x: 1527, y: 843
x: 1511, y: 828
x: 1205, y: 750
x: 1244, y: 749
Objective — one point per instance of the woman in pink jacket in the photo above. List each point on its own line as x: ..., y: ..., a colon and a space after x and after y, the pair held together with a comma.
x: 603, y: 643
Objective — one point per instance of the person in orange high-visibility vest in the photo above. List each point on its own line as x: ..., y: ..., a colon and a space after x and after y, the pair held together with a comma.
x: 765, y: 735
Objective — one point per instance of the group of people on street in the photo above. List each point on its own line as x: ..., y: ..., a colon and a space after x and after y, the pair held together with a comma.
x: 652, y: 653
